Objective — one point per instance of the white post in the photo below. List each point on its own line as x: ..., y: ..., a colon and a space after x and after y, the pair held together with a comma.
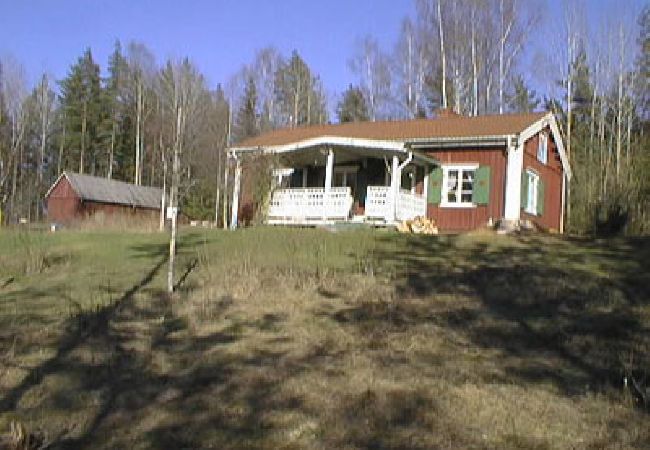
x: 235, y: 195
x: 395, y: 181
x: 304, y: 177
x: 329, y: 170
x: 425, y: 189
x: 513, y: 181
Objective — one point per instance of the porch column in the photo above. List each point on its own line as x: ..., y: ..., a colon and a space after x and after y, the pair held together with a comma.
x: 395, y: 181
x: 425, y: 189
x: 329, y: 170
x: 235, y: 195
x: 304, y: 177
x: 514, y: 169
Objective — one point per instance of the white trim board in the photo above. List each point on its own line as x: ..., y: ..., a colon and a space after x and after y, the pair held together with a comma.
x: 550, y: 121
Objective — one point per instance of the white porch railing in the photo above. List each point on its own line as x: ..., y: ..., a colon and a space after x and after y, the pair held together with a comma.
x: 410, y: 205
x: 298, y: 205
x: 379, y: 204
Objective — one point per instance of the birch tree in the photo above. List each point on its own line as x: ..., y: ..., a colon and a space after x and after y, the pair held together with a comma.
x: 371, y: 65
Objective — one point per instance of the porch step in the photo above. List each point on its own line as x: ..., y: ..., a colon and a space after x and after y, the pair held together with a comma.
x: 358, y: 218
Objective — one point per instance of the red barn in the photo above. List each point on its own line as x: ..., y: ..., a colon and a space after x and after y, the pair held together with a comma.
x: 463, y: 172
x: 74, y: 196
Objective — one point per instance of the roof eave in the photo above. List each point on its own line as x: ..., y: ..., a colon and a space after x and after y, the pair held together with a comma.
x: 448, y: 142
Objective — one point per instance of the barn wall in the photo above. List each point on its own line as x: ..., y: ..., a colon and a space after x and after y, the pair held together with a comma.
x: 551, y: 175
x: 89, y: 208
x: 63, y: 204
x: 460, y: 219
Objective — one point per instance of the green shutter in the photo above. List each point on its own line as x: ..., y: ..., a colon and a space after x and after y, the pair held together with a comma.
x: 540, y: 197
x: 435, y: 186
x: 481, y: 188
x: 524, y: 189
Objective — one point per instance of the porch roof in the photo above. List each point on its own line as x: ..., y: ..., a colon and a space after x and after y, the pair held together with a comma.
x: 311, y: 150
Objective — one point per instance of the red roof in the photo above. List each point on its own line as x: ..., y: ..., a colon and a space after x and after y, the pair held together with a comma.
x: 445, y: 126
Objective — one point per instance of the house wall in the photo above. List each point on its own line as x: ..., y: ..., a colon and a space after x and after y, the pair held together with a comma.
x: 551, y: 175
x: 63, y: 203
x: 462, y: 219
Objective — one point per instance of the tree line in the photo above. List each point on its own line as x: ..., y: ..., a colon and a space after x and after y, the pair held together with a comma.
x: 465, y: 55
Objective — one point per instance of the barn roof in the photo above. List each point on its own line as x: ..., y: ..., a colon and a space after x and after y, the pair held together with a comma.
x: 444, y: 126
x: 105, y: 190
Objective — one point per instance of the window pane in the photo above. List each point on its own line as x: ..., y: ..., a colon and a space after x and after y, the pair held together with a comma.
x: 452, y: 186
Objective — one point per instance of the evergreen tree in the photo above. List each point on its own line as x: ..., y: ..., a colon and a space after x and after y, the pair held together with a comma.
x: 115, y: 127
x: 352, y: 107
x: 81, y: 99
x: 246, y: 124
x: 522, y: 99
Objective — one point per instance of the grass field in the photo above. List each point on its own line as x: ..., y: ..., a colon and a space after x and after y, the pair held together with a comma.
x: 290, y: 338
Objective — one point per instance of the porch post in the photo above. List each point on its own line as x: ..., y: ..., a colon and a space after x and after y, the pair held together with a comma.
x: 514, y: 169
x: 329, y: 170
x: 395, y: 181
x: 235, y: 195
x: 304, y: 177
x: 425, y: 188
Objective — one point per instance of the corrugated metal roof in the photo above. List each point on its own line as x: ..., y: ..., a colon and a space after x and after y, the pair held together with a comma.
x: 447, y: 126
x: 111, y: 191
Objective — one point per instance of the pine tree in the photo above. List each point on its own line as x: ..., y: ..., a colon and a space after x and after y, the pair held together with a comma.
x: 522, y: 99
x: 246, y: 123
x: 352, y: 107
x: 81, y: 99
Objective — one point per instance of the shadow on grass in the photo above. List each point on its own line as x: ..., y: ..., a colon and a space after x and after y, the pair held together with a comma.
x: 556, y: 312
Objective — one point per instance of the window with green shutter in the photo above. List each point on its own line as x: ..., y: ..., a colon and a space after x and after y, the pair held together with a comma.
x: 532, y: 190
x: 540, y: 197
x: 435, y: 186
x: 524, y: 189
x: 481, y: 188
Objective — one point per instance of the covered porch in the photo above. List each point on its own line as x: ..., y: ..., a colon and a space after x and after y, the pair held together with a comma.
x: 334, y: 180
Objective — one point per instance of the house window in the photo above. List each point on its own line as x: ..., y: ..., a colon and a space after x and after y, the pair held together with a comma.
x: 458, y: 185
x: 542, y: 148
x: 531, y: 195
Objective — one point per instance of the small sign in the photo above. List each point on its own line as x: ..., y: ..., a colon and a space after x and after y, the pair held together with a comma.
x: 172, y: 211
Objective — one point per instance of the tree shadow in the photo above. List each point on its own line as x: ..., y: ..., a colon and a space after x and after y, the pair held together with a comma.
x: 538, y: 299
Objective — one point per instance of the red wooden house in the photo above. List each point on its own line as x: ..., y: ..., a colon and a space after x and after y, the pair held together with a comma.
x: 74, y: 196
x: 464, y: 172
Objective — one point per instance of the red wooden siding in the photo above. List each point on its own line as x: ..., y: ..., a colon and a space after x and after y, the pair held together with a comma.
x: 63, y: 203
x: 65, y: 206
x: 457, y: 219
x: 551, y: 175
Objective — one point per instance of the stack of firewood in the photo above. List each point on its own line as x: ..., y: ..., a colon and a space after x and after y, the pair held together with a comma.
x: 419, y: 225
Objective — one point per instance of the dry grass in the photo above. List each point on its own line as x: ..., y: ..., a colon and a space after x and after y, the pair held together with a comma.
x: 308, y: 339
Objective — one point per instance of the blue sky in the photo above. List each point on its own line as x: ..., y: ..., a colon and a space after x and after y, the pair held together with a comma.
x: 218, y: 35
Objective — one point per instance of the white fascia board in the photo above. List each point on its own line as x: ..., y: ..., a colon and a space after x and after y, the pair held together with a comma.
x: 550, y: 121
x: 396, y: 146
x: 458, y: 141
x: 49, y: 191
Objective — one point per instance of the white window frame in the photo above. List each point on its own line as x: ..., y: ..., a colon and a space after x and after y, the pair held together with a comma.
x: 533, y: 186
x: 542, y: 148
x: 444, y: 198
